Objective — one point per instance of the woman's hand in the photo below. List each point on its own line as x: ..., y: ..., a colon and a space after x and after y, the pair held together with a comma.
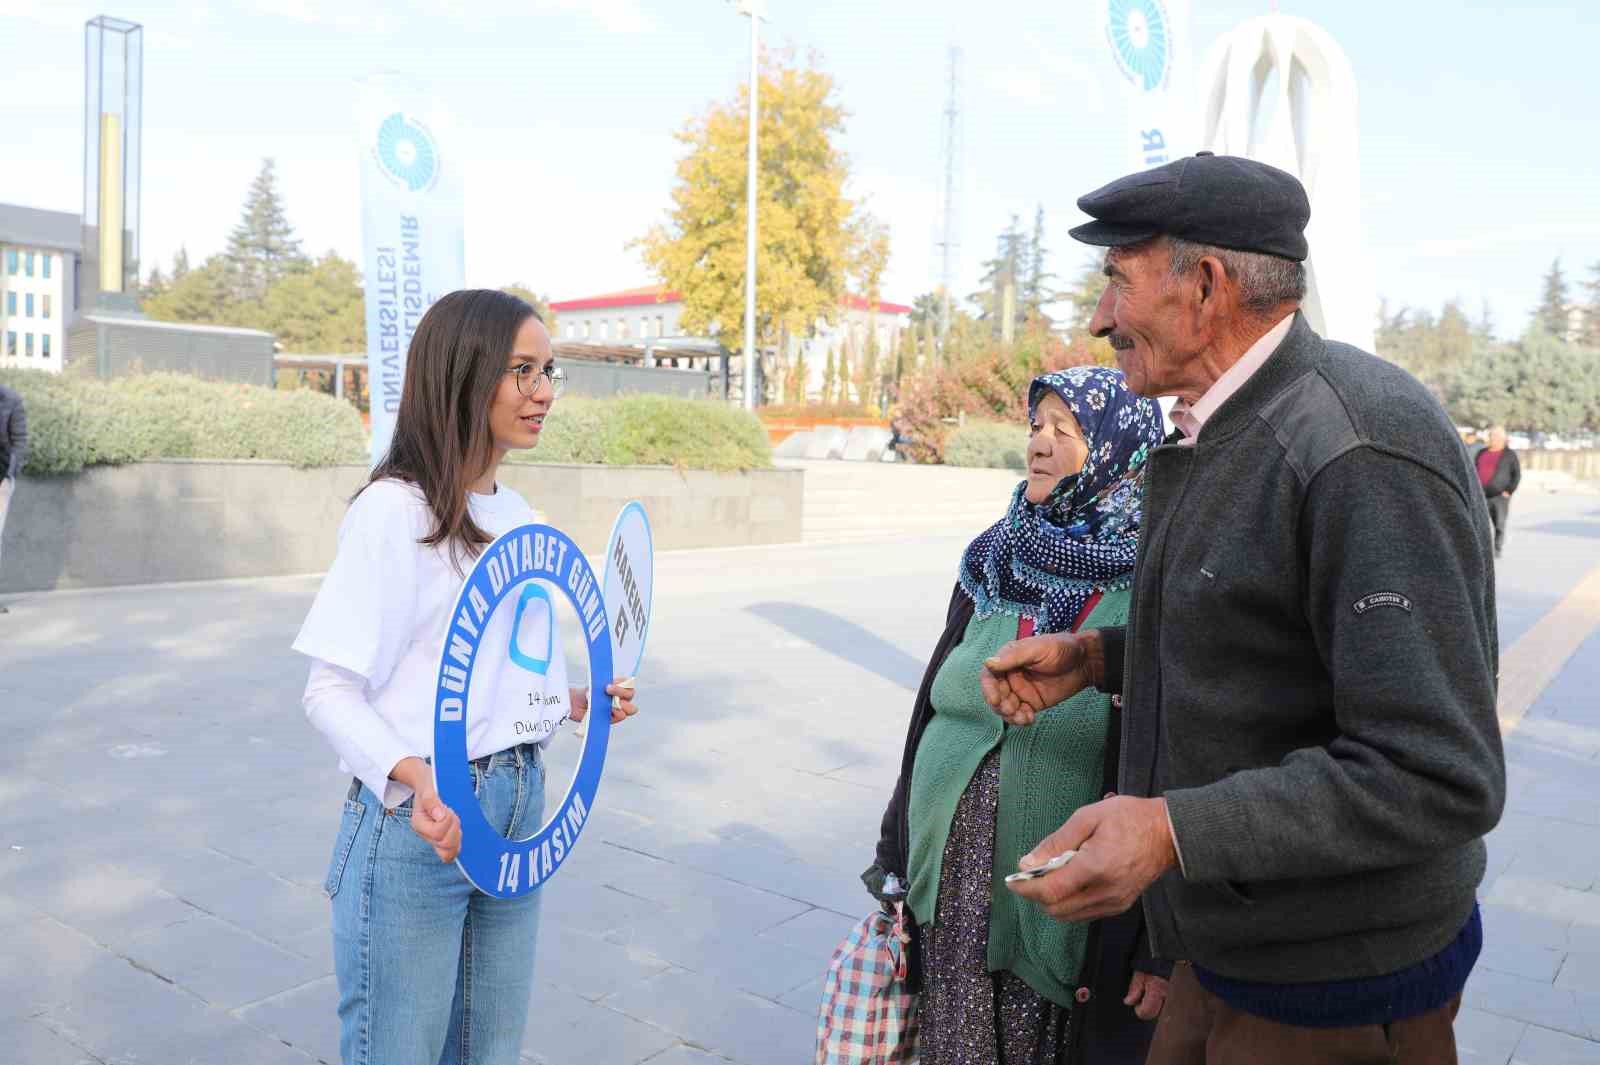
x: 431, y: 819
x: 622, y: 704
x: 1147, y: 993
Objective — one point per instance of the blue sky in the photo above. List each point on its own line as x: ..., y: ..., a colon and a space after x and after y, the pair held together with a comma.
x: 1479, y: 158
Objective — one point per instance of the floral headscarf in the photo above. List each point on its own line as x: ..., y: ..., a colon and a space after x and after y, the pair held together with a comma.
x: 1045, y: 561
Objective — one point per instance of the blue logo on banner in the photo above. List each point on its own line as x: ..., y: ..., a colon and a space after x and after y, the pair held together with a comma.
x: 1141, y: 40
x: 406, y: 152
x: 501, y: 867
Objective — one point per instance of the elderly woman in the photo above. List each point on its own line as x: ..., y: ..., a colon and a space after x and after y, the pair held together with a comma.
x: 1002, y: 983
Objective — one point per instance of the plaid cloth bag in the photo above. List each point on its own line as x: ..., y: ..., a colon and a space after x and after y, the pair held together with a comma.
x: 869, y: 1015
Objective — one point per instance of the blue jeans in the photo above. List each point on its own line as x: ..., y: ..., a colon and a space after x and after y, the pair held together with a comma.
x: 431, y: 971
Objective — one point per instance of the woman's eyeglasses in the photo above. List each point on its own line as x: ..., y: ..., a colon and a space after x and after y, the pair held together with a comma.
x: 530, y: 377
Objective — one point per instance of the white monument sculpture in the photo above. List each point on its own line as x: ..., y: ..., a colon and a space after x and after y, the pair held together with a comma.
x: 1278, y: 89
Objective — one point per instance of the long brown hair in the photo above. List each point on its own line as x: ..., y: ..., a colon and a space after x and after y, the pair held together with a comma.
x: 442, y: 442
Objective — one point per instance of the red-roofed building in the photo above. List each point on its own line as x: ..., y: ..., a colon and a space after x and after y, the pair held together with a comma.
x: 654, y: 311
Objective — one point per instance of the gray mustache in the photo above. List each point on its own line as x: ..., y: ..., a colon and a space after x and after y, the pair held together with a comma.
x: 1120, y: 342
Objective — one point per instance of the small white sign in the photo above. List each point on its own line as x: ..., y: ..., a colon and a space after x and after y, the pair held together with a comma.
x: 630, y: 573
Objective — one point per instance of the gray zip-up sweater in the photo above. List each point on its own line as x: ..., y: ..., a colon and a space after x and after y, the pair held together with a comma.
x: 13, y: 433
x: 1310, y: 674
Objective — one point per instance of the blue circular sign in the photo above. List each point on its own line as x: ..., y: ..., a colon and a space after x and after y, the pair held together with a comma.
x: 507, y: 868
x: 407, y: 153
x: 1141, y: 40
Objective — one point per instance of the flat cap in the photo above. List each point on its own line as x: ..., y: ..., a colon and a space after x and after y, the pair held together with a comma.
x: 1225, y: 200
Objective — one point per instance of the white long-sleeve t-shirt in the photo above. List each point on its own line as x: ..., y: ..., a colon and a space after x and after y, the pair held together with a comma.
x: 377, y: 629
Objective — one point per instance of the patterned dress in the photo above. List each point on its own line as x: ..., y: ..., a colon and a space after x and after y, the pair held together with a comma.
x: 970, y: 1016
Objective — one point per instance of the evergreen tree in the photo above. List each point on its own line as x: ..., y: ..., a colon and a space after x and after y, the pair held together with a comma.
x: 1554, y: 312
x: 1037, y: 291
x: 180, y: 263
x: 154, y: 286
x: 1589, y: 328
x: 262, y: 249
x: 1483, y: 329
x: 1005, y: 270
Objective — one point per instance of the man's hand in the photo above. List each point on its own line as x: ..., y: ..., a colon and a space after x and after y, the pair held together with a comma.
x: 1027, y: 676
x: 1147, y: 993
x: 1123, y: 845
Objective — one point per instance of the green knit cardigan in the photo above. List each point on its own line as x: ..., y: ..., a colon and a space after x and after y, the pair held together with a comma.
x: 1047, y: 771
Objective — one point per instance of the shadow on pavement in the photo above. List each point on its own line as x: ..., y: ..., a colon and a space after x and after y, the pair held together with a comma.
x: 845, y: 639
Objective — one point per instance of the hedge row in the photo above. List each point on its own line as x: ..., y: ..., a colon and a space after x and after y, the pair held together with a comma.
x: 76, y: 422
x: 993, y: 445
x: 643, y: 430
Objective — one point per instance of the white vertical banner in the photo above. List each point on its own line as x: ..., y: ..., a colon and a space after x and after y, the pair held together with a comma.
x: 413, y: 250
x: 1148, y: 44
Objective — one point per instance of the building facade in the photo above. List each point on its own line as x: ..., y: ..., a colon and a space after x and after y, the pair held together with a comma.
x: 39, y: 255
x: 655, y: 311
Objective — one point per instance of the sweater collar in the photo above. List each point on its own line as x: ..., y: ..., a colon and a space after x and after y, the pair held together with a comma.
x: 1299, y: 352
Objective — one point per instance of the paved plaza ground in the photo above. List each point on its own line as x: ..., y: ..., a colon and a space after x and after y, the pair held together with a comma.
x: 166, y: 817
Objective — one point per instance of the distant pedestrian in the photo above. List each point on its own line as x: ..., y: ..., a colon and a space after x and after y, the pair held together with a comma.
x: 1500, y: 473
x: 13, y: 452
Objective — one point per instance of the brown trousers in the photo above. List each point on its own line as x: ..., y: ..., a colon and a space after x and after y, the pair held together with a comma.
x: 1198, y: 1028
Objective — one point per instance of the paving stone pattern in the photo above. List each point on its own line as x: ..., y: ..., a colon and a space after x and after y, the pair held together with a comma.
x: 170, y: 816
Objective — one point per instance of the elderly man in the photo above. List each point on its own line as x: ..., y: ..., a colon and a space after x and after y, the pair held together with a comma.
x: 1311, y: 756
x: 1500, y: 473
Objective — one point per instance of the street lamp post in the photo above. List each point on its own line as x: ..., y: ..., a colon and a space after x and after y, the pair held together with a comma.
x: 754, y: 9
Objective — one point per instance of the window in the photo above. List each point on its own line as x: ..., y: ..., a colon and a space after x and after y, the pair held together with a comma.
x: 622, y: 329
x: 44, y: 345
x: 11, y: 343
x: 46, y: 265
x: 588, y: 329
x: 27, y: 303
x: 27, y: 344
x: 11, y: 261
x: 660, y: 332
x: 27, y: 264
x: 45, y: 300
x: 605, y: 329
x: 644, y: 328
x: 11, y: 303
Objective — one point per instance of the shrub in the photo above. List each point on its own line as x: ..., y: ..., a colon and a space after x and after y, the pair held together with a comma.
x: 76, y: 422
x: 645, y: 430
x: 990, y: 385
x: 992, y: 445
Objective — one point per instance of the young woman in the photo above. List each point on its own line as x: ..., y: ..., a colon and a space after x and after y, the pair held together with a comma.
x: 430, y: 970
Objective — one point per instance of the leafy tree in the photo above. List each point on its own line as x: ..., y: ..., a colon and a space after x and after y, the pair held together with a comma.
x: 197, y: 295
x: 1553, y: 314
x: 926, y: 308
x: 262, y: 249
x: 1539, y: 383
x: 320, y: 310
x: 809, y: 230
x: 539, y: 303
